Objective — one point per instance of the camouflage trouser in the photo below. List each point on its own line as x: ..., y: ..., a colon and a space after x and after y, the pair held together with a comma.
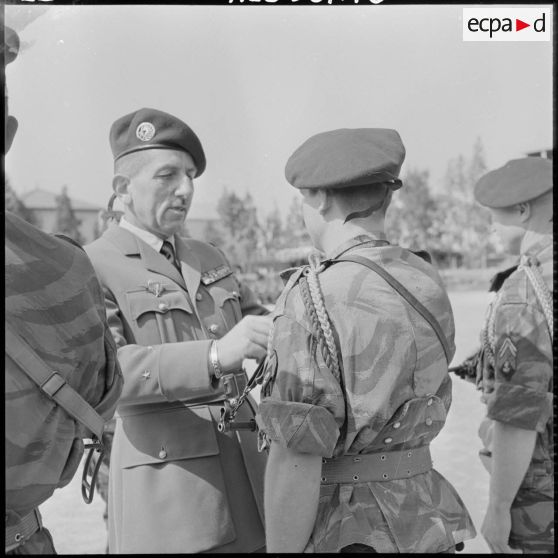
x: 532, y: 525
x: 39, y: 542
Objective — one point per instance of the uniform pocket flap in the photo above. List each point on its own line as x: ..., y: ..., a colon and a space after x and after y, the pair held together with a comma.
x: 168, y: 435
x: 141, y: 302
x: 220, y: 295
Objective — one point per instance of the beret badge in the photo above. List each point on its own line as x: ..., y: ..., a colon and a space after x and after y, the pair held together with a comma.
x: 145, y: 131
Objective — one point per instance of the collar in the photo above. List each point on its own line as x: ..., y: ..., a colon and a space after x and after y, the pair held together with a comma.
x: 375, y: 239
x: 148, y: 237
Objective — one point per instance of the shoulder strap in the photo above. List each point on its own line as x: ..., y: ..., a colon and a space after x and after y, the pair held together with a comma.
x: 411, y: 299
x: 52, y: 383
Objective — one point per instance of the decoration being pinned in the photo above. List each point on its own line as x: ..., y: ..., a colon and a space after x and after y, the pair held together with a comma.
x: 155, y: 287
x: 507, y: 356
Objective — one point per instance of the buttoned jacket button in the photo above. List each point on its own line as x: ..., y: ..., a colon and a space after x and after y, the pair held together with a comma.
x: 428, y: 421
x: 429, y: 402
x: 396, y: 425
x: 163, y: 307
x: 213, y: 328
x: 388, y: 440
x: 162, y: 454
x: 199, y: 296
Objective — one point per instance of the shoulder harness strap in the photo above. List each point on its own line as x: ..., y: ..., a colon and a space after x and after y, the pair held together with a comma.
x: 52, y: 383
x: 410, y: 298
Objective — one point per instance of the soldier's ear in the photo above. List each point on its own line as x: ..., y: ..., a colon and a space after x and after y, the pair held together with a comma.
x: 524, y: 211
x: 121, y: 187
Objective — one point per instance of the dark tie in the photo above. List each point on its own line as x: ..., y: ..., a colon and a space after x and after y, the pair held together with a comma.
x: 168, y: 251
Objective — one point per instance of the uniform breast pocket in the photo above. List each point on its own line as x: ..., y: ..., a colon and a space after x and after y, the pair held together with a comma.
x: 226, y: 298
x: 166, y: 318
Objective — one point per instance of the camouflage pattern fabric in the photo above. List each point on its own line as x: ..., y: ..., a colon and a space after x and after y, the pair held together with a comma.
x: 55, y: 303
x: 395, y: 396
x: 38, y: 543
x: 517, y: 388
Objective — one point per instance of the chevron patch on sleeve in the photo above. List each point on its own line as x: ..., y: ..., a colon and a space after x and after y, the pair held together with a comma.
x: 507, y: 356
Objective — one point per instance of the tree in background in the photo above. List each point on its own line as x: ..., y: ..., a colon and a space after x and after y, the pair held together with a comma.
x: 66, y: 221
x: 461, y: 225
x: 240, y: 221
x: 272, y: 232
x: 212, y: 234
x: 295, y: 231
x: 410, y: 215
x: 13, y: 204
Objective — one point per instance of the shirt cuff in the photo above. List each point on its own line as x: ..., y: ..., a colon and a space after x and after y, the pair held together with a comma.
x: 520, y: 406
x: 302, y: 427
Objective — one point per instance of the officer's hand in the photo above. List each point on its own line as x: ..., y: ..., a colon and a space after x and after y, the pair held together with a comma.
x: 496, y: 529
x: 247, y: 339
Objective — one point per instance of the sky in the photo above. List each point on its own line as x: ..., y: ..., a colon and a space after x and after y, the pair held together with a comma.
x: 255, y: 81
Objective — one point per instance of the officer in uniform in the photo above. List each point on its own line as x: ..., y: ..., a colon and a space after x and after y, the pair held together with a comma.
x: 356, y: 381
x: 515, y: 371
x: 181, y: 323
x: 60, y: 366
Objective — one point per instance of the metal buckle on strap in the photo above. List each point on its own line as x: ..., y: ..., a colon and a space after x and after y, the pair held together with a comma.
x: 53, y: 385
x: 17, y: 534
x: 88, y: 487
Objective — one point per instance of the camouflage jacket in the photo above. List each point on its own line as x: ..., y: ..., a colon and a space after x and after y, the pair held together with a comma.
x: 516, y: 375
x: 396, y: 395
x: 55, y: 303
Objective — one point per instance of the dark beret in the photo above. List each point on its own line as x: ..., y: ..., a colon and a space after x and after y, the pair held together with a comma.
x: 519, y: 180
x: 153, y: 129
x: 347, y: 157
x: 11, y: 45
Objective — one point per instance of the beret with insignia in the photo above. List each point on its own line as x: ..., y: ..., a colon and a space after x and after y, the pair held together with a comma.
x: 154, y: 129
x: 518, y: 181
x: 347, y: 157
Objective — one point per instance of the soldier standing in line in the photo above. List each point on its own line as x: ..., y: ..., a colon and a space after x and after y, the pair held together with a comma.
x: 62, y: 380
x: 183, y: 324
x: 356, y: 384
x: 515, y: 371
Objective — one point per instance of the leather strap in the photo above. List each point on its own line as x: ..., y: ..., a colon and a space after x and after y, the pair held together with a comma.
x: 17, y: 534
x: 52, y: 383
x: 376, y: 467
x: 401, y: 290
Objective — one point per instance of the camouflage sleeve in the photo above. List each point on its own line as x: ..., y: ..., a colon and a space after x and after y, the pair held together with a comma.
x: 305, y: 407
x: 523, y: 368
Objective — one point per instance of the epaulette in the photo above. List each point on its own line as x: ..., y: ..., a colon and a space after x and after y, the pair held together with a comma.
x: 498, y: 280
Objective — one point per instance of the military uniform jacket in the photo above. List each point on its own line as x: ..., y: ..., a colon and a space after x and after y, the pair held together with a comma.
x: 54, y: 302
x: 516, y: 375
x: 397, y: 394
x: 176, y: 483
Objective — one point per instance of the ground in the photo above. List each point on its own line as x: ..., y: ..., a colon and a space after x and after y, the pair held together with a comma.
x: 78, y: 528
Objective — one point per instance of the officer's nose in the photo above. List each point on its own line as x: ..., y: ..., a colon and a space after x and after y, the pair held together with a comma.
x: 186, y: 187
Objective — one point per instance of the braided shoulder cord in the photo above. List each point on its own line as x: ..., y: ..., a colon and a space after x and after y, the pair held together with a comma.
x: 314, y: 303
x: 542, y: 292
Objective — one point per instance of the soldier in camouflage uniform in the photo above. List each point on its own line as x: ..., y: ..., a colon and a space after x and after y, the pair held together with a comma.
x: 515, y: 371
x: 356, y: 383
x: 54, y: 311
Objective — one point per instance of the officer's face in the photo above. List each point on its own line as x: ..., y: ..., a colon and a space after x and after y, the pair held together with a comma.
x: 506, y: 228
x: 160, y: 191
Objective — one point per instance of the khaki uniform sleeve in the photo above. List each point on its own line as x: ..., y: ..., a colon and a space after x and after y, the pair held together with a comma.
x: 302, y: 404
x: 169, y: 371
x: 523, y: 368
